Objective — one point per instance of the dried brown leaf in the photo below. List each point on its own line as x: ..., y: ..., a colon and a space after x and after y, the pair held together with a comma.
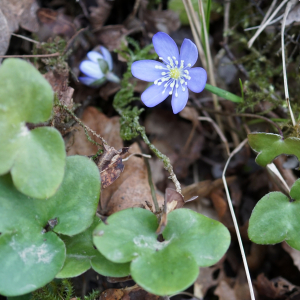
x: 20, y: 13
x: 112, y: 36
x: 99, y: 13
x: 54, y: 23
x: 131, y: 189
x: 295, y: 254
x: 161, y: 20
x: 108, y: 128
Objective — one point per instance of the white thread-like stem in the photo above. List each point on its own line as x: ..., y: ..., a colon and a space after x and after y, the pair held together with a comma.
x: 286, y: 90
x: 237, y: 149
x: 263, y: 26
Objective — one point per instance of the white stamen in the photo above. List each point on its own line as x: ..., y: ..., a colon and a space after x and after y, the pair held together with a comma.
x: 176, y: 94
x: 189, y: 65
x: 163, y: 73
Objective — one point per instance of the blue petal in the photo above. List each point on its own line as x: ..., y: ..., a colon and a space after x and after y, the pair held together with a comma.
x: 94, y: 56
x: 87, y: 80
x: 198, y: 79
x: 91, y: 69
x: 179, y: 102
x: 165, y: 46
x: 188, y: 52
x: 154, y: 95
x: 145, y: 70
x: 107, y: 57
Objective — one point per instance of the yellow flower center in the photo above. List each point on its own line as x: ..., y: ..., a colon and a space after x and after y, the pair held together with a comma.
x: 175, y: 73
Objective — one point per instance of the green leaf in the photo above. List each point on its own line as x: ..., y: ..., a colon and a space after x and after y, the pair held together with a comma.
x: 39, y: 165
x: 129, y: 233
x: 29, y: 261
x: 23, y: 221
x: 222, y: 93
x: 25, y: 95
x: 81, y: 255
x: 269, y: 146
x: 205, y: 238
x: 190, y: 240
x: 11, y: 139
x: 169, y: 271
x: 275, y: 218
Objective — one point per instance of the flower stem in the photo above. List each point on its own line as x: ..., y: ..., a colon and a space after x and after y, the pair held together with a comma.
x: 162, y: 157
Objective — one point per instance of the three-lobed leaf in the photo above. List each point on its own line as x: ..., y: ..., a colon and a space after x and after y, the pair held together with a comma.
x: 190, y: 240
x: 269, y: 146
x: 275, y: 218
x: 30, y: 251
x: 36, y: 158
x: 81, y: 256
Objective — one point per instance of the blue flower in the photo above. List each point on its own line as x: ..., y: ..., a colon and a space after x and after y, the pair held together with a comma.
x: 97, y: 68
x: 173, y: 75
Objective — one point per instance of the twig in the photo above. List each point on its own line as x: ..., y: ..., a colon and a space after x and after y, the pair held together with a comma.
x: 209, y: 62
x: 136, y: 154
x: 153, y: 194
x: 234, y: 218
x: 274, y: 170
x: 195, y: 35
x: 269, y: 11
x: 31, y: 55
x: 263, y: 26
x: 286, y: 91
x: 25, y: 38
x: 226, y: 20
x: 220, y: 133
x: 246, y: 115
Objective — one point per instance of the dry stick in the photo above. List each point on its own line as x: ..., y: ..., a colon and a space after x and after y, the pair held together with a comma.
x: 195, y: 36
x: 270, y: 23
x: 210, y: 63
x: 234, y: 136
x: 286, y: 91
x: 31, y: 55
x: 274, y: 170
x: 220, y: 133
x: 25, y: 38
x: 234, y: 218
x: 269, y: 11
x: 83, y: 125
x: 153, y: 193
x: 248, y: 116
x: 263, y: 26
x: 226, y: 20
x: 136, y: 154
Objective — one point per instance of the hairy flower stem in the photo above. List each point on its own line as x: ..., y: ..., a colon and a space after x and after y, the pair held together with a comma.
x: 86, y: 128
x: 162, y: 157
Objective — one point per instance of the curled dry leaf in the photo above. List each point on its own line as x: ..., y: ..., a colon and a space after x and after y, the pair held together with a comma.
x: 110, y: 164
x: 131, y: 189
x: 277, y: 288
